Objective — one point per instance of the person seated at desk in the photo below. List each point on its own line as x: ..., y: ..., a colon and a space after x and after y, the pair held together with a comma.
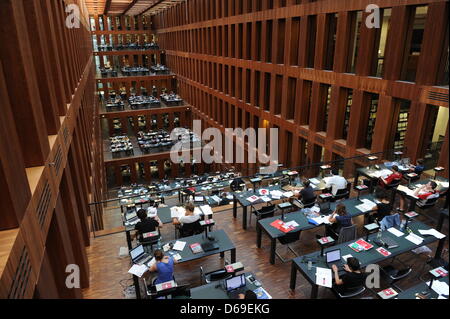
x: 249, y: 294
x: 335, y: 182
x: 383, y: 208
x: 164, y: 266
x: 425, y: 192
x: 354, y: 277
x: 419, y: 167
x: 236, y: 183
x: 338, y: 219
x: 306, y: 194
x: 146, y: 224
x: 189, y: 223
x: 395, y: 176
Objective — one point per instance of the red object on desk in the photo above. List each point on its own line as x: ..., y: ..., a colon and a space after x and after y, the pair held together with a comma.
x: 278, y: 224
x: 364, y: 244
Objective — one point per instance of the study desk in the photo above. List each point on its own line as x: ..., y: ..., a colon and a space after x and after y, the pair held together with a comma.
x: 216, y: 290
x: 221, y: 239
x: 241, y: 198
x: 263, y: 225
x: 369, y: 173
x: 422, y: 287
x: 365, y: 257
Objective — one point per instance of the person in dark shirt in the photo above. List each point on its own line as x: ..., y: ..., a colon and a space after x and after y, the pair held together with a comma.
x: 419, y: 167
x: 353, y: 278
x: 307, y: 193
x: 146, y: 224
x: 383, y: 208
x: 338, y: 220
x: 236, y: 183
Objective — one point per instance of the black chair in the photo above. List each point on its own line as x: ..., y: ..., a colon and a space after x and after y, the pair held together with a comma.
x: 216, y: 275
x: 349, y: 293
x: 150, y: 241
x: 305, y: 204
x: 287, y: 239
x: 263, y: 212
x: 393, y: 275
x: 429, y: 203
x: 392, y: 187
x: 190, y: 229
x: 342, y: 193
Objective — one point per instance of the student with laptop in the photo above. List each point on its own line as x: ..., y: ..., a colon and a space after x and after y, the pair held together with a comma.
x: 147, y: 224
x: 353, y: 278
x: 419, y: 167
x: 235, y: 286
x: 335, y: 182
x: 164, y: 265
x: 395, y: 176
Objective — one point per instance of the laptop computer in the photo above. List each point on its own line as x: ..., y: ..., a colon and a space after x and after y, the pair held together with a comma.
x: 209, y: 246
x: 325, y: 208
x: 333, y: 257
x: 235, y: 286
x: 139, y: 256
x: 386, y: 242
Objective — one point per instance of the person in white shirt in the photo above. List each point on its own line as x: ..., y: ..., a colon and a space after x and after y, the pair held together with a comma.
x: 189, y: 216
x: 189, y: 224
x: 335, y: 182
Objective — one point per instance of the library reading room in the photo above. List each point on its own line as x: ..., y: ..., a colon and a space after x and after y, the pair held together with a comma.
x: 224, y: 150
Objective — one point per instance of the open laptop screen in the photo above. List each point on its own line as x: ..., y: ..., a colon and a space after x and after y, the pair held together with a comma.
x: 136, y: 252
x: 334, y: 255
x: 235, y: 282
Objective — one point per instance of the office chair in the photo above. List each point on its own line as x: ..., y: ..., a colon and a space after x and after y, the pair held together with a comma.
x: 346, y: 234
x: 429, y: 203
x: 287, y: 239
x: 342, y: 193
x: 392, y: 187
x: 149, y: 242
x: 263, y: 212
x: 305, y: 204
x: 393, y: 275
x: 216, y: 275
x: 190, y: 229
x: 350, y: 293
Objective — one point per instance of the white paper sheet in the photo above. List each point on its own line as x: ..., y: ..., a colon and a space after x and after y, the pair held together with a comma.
x: 266, y: 199
x: 179, y: 245
x: 441, y: 288
x: 314, y: 181
x: 138, y: 270
x: 206, y: 209
x: 432, y: 232
x: 324, y: 277
x: 288, y: 194
x: 395, y: 232
x: 414, y: 239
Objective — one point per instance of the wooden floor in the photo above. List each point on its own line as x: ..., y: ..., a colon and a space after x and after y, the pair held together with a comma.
x: 108, y: 273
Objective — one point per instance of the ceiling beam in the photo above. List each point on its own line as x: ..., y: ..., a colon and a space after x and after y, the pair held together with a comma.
x: 152, y: 6
x: 107, y: 6
x: 130, y: 6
